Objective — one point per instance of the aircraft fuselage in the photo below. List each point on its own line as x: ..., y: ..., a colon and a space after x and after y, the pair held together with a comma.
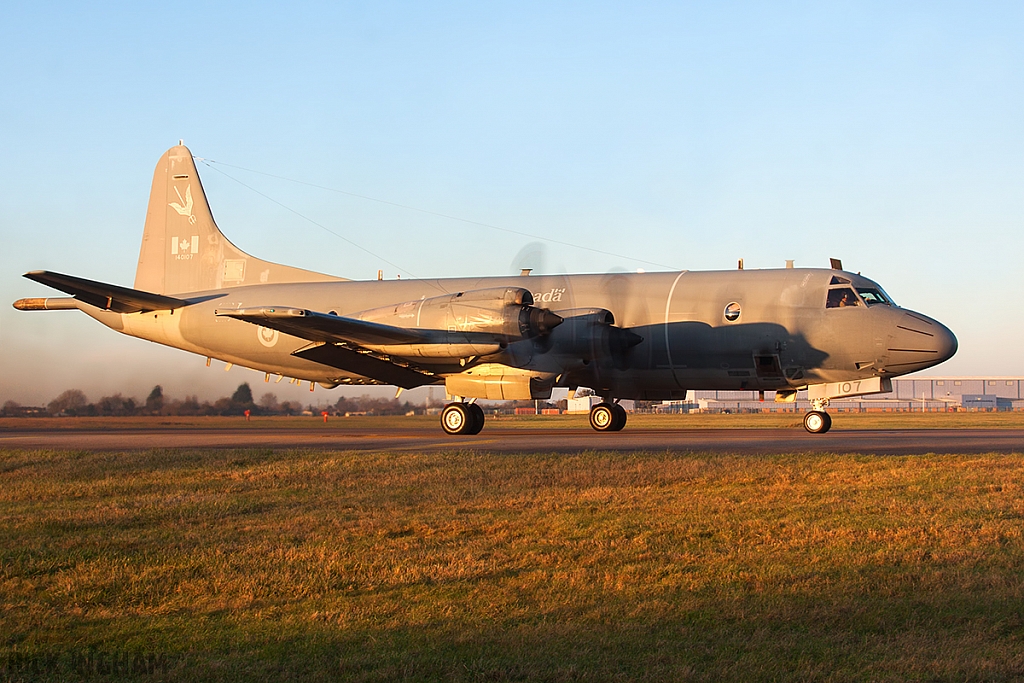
x: 784, y: 336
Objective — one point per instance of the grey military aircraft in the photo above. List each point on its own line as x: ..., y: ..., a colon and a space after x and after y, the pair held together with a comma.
x: 625, y: 335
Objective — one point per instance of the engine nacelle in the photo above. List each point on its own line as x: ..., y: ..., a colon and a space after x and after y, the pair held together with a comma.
x: 590, y: 333
x: 584, y: 335
x: 503, y: 314
x: 500, y: 382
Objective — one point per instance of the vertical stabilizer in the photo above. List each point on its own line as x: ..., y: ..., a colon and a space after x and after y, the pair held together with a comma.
x: 182, y: 248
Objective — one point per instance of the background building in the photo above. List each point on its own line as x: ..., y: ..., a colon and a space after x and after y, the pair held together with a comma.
x: 908, y: 394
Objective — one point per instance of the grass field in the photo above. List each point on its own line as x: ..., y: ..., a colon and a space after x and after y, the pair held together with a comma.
x: 319, y: 565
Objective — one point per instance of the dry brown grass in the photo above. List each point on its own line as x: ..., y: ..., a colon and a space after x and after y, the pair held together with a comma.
x: 313, y: 565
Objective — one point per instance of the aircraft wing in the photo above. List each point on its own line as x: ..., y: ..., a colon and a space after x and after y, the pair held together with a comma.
x: 337, y: 342
x: 323, y: 327
x: 382, y: 369
x: 109, y: 297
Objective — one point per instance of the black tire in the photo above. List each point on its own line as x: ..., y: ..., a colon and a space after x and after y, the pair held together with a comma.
x: 620, y: 417
x: 478, y: 418
x: 817, y: 422
x: 603, y: 417
x: 457, y: 418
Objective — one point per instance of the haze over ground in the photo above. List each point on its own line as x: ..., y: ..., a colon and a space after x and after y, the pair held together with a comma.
x: 683, y: 135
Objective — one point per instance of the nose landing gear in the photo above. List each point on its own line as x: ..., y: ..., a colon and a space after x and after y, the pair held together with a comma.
x: 818, y: 421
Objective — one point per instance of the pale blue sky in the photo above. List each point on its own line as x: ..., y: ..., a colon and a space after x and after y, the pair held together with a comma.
x: 683, y: 134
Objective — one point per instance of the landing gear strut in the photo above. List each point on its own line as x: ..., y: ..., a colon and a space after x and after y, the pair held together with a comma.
x: 607, y: 417
x: 462, y: 418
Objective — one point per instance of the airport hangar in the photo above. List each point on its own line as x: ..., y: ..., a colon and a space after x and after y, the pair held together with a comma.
x: 928, y: 394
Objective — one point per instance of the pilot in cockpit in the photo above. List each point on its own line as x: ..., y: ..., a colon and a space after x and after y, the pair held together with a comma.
x: 841, y: 298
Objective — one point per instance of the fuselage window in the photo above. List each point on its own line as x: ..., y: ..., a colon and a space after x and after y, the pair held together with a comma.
x: 841, y: 297
x: 837, y: 280
x: 732, y: 312
x: 873, y: 296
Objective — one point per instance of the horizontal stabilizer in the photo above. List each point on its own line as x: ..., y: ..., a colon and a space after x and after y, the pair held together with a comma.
x: 108, y: 297
x: 324, y: 327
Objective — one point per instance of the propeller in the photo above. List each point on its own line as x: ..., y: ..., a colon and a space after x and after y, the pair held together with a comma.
x: 533, y: 256
x: 617, y: 288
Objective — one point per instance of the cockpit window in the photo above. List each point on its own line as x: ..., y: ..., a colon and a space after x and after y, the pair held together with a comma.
x: 841, y: 297
x: 837, y: 280
x: 873, y: 296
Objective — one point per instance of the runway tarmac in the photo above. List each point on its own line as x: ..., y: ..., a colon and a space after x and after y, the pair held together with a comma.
x: 496, y: 438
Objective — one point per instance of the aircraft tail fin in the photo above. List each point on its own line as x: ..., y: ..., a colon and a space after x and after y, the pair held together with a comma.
x: 182, y: 248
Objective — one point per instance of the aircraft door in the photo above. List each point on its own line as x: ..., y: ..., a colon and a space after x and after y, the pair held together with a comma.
x: 768, y: 369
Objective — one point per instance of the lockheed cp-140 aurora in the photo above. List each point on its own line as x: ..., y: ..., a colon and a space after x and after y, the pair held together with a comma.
x: 650, y: 336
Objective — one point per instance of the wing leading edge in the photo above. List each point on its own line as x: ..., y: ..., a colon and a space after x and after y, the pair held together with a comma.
x: 324, y: 327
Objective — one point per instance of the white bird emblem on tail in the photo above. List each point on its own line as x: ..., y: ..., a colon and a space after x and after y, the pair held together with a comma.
x: 185, y: 208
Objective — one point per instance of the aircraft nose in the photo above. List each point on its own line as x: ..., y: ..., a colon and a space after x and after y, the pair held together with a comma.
x: 919, y: 342
x: 946, y: 343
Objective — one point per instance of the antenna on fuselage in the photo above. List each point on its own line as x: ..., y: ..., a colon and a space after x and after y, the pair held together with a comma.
x: 837, y: 264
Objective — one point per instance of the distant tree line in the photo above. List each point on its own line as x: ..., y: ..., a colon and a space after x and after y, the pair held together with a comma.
x: 368, y: 405
x: 74, y: 403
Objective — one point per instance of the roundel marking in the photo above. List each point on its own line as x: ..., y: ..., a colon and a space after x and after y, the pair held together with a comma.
x: 267, y: 336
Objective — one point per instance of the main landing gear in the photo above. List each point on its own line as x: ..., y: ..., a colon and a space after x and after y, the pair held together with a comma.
x: 818, y: 421
x: 607, y: 417
x: 462, y: 418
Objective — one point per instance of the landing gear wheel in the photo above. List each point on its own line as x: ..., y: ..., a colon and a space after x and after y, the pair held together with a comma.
x: 817, y: 422
x: 607, y: 417
x: 459, y: 418
x: 478, y: 418
x: 620, y: 417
